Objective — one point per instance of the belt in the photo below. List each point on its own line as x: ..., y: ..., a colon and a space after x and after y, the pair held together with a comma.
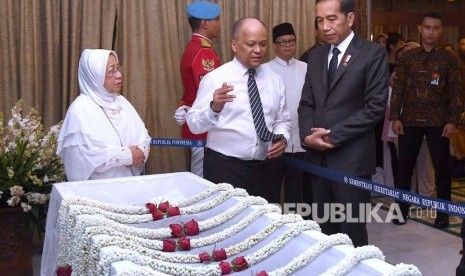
x: 230, y: 158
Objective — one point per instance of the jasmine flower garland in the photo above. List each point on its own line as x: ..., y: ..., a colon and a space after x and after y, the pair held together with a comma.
x: 142, y: 245
x: 134, y: 214
x: 198, y: 197
x: 93, y: 235
x: 312, y: 253
x: 140, y: 271
x: 117, y: 253
x: 404, y: 270
x: 353, y: 258
x: 114, y: 254
x: 67, y: 226
x: 74, y: 246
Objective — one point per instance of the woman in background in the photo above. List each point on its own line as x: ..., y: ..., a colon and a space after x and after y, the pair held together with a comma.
x: 102, y: 135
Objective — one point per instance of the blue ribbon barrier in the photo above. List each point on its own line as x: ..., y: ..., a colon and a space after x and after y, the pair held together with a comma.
x: 451, y: 208
x: 169, y: 142
x: 443, y: 206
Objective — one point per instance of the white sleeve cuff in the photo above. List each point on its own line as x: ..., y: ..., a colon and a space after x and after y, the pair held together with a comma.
x: 213, y: 116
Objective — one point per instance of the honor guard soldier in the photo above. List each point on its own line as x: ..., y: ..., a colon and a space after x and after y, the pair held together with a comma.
x: 198, y: 60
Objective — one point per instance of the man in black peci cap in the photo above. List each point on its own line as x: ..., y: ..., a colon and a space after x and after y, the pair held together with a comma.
x: 292, y: 72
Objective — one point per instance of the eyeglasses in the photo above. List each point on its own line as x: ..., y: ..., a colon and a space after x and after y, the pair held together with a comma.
x: 112, y: 72
x: 290, y: 42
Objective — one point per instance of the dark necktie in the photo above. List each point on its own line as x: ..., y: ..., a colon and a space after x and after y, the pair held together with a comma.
x: 333, y: 66
x: 257, y: 110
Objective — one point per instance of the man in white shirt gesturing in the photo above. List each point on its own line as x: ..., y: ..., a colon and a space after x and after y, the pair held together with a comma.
x: 242, y: 106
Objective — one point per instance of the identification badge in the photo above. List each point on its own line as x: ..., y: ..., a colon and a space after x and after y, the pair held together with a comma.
x: 435, y: 79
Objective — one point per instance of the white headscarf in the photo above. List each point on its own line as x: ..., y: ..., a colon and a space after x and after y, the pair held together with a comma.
x: 92, y: 70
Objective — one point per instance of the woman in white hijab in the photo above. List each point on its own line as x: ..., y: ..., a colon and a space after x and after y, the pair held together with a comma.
x: 102, y: 135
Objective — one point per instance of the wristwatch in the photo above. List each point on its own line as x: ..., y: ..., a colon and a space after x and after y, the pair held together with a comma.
x: 211, y: 104
x: 280, y: 136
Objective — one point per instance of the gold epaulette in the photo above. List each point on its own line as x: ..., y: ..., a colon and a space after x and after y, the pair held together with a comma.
x: 205, y: 42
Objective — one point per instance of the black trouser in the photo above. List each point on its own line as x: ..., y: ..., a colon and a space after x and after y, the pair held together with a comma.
x: 247, y: 174
x: 276, y: 170
x: 394, y: 159
x: 326, y: 191
x: 379, y: 144
x: 409, y: 147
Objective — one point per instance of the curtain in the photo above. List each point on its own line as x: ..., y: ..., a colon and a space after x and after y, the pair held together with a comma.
x: 41, y: 41
x: 361, y: 27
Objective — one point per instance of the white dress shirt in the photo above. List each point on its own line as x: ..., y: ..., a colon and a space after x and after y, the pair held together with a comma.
x: 232, y: 131
x: 293, y: 75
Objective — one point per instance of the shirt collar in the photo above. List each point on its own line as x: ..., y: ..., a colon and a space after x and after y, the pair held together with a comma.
x: 245, y: 70
x: 283, y: 62
x: 344, y: 44
x: 202, y: 36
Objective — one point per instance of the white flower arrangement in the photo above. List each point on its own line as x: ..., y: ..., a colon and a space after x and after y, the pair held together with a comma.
x: 68, y: 212
x: 68, y: 224
x: 29, y: 165
x: 93, y: 235
x: 138, y: 245
x: 74, y: 239
x: 212, y: 269
x: 83, y: 256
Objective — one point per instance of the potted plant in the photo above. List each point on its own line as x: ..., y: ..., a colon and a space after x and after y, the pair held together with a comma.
x: 28, y: 168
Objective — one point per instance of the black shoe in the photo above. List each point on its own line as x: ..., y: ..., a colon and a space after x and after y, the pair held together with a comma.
x: 399, y: 222
x: 441, y: 223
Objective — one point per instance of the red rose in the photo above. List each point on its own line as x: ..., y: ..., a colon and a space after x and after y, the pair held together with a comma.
x: 152, y: 207
x: 169, y: 246
x: 163, y: 206
x: 262, y: 273
x: 64, y: 271
x: 239, y: 264
x: 191, y: 228
x: 173, y: 211
x: 205, y: 257
x: 184, y: 244
x: 219, y: 255
x: 176, y: 230
x: 225, y: 268
x: 157, y: 215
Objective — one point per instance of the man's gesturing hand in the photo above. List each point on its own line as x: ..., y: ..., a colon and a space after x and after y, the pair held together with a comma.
x: 221, y: 96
